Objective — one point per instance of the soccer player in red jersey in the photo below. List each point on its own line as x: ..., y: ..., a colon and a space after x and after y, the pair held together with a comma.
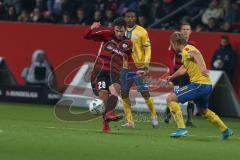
x: 174, y: 63
x: 105, y: 77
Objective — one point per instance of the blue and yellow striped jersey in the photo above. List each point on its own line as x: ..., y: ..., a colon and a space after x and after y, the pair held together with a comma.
x: 191, y: 66
x: 141, y: 46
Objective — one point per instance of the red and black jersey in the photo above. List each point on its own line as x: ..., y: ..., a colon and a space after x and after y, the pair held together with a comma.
x: 111, y: 52
x: 175, y: 59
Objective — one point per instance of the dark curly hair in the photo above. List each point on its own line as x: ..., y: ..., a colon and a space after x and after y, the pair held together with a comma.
x: 119, y: 22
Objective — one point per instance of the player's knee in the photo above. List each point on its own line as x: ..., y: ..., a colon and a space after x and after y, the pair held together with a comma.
x: 202, y: 111
x: 115, y: 89
x: 145, y: 95
x: 171, y: 97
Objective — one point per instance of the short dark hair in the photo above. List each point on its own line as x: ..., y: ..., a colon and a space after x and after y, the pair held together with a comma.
x: 119, y: 22
x: 178, y: 38
x: 224, y: 36
x: 130, y: 11
x: 185, y: 24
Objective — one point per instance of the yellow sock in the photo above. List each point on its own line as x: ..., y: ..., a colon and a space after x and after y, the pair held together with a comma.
x: 151, y: 107
x: 214, y: 119
x: 177, y: 114
x: 127, y: 109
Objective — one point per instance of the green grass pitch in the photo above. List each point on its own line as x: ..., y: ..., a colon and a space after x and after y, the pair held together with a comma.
x: 32, y: 132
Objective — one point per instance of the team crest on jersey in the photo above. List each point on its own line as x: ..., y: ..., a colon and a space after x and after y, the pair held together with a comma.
x: 186, y: 49
x: 135, y: 36
x: 124, y: 45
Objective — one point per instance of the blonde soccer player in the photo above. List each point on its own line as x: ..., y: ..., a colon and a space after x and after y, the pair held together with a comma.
x: 198, y: 90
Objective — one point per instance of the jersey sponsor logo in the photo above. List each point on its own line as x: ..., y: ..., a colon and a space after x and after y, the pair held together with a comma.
x: 114, y: 48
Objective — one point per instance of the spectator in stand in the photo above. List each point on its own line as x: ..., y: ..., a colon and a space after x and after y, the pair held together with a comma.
x: 199, y: 28
x: 41, y: 5
x: 48, y: 17
x: 16, y: 3
x: 36, y: 15
x: 69, y: 6
x: 50, y: 4
x: 127, y: 5
x: 229, y: 13
x: 98, y: 17
x: 156, y: 11
x: 3, y: 14
x: 213, y: 11
x: 227, y: 27
x: 237, y: 8
x: 224, y: 58
x: 109, y: 17
x: 144, y: 8
x: 66, y: 18
x: 99, y: 5
x: 169, y: 5
x: 112, y: 5
x: 81, y: 19
x: 39, y: 71
x: 212, y: 25
x: 142, y: 21
x: 151, y: 11
x: 24, y: 16
x: 12, y: 14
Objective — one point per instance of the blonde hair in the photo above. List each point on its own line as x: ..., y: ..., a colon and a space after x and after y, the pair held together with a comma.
x: 178, y: 38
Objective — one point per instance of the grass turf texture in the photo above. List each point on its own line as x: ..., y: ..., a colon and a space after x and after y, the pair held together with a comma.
x: 32, y: 132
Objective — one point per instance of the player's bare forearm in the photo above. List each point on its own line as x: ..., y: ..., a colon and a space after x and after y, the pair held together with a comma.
x: 89, y: 33
x: 179, y: 72
x: 99, y: 35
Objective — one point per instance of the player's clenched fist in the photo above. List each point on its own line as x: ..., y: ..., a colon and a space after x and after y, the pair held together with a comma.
x: 169, y: 78
x: 95, y: 25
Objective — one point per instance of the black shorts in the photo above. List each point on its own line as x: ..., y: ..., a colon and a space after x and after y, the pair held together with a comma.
x: 181, y: 81
x: 102, y: 80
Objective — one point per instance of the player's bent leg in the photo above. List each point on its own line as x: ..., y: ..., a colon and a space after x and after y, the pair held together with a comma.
x: 167, y: 115
x: 104, y: 95
x: 127, y: 109
x: 113, y: 98
x: 215, y: 120
x: 150, y: 103
x: 112, y: 102
x: 173, y: 105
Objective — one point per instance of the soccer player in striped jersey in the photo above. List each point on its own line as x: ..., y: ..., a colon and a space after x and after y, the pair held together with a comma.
x: 141, y: 56
x: 198, y: 90
x: 105, y: 77
x: 175, y: 62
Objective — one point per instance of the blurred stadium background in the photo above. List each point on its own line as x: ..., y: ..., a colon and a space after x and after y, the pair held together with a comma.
x: 52, y: 31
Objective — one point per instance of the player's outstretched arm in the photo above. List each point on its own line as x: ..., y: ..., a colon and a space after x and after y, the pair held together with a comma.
x: 200, y: 62
x: 179, y: 72
x: 96, y: 34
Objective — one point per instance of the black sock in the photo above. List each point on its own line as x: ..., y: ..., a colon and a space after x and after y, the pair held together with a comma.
x: 190, y: 111
x: 111, y: 103
x: 168, y: 113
